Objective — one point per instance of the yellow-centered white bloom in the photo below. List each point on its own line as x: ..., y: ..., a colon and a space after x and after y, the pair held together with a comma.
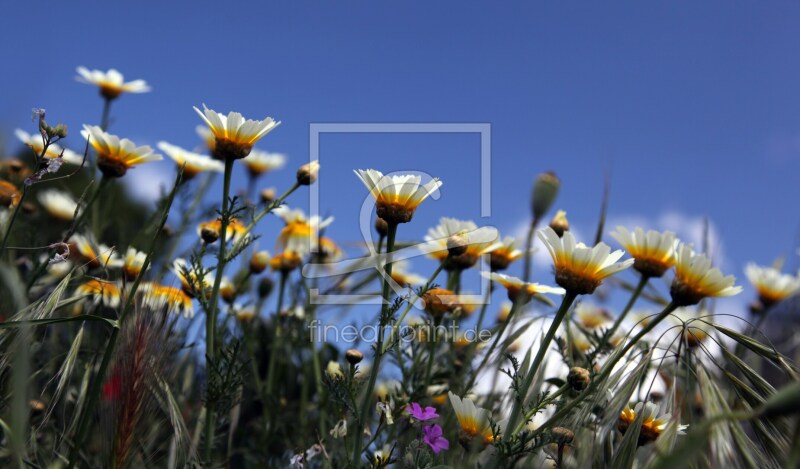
x: 111, y: 83
x: 169, y: 299
x: 401, y: 275
x: 480, y: 241
x: 397, y: 197
x: 517, y: 287
x: 207, y: 136
x: 591, y: 316
x: 134, y: 262
x: 504, y: 254
x: 334, y: 370
x: 328, y: 250
x: 300, y: 232
x: 94, y: 256
x: 653, y: 252
x: 696, y: 279
x: 195, y: 163
x: 101, y: 291
x: 191, y: 282
x: 259, y: 162
x: 10, y: 196
x: 579, y: 268
x: 58, y: 204
x: 652, y: 424
x: 116, y: 156
x: 244, y: 313
x: 771, y: 284
x: 474, y: 421
x: 234, y: 136
x: 35, y: 143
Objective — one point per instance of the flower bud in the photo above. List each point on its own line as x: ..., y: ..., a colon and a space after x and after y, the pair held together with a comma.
x: 285, y: 262
x: 268, y: 195
x: 209, y: 232
x: 439, y: 301
x: 559, y: 223
x: 227, y: 291
x: 578, y: 378
x: 259, y: 262
x: 545, y: 190
x: 562, y: 436
x: 307, y: 174
x: 37, y: 406
x: 353, y: 356
x: 381, y: 226
x: 457, y: 244
x: 14, y: 169
x: 265, y: 287
x: 60, y: 131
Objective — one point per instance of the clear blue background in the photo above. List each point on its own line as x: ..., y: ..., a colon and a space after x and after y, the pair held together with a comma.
x: 692, y: 107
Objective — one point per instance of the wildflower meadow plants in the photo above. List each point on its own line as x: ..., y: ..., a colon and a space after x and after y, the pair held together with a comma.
x: 189, y: 334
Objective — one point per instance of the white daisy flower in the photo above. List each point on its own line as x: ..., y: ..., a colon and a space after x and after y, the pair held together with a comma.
x: 653, y: 252
x: 474, y: 421
x: 116, y: 156
x: 652, y: 424
x: 133, y: 263
x: 696, y: 279
x: 397, y: 197
x: 35, y: 143
x: 480, y: 241
x: 403, y: 277
x: 195, y: 163
x: 506, y: 253
x: 300, y: 232
x: 111, y: 83
x: 58, y: 204
x: 516, y: 287
x: 234, y: 136
x: 771, y: 284
x: 259, y: 162
x: 579, y: 268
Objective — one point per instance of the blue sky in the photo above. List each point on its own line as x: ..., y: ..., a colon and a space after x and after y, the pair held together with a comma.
x: 692, y: 108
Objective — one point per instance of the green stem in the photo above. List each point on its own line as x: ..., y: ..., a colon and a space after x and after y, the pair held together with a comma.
x: 569, y: 298
x: 453, y: 279
x: 211, y: 314
x: 390, y: 237
x: 106, y: 114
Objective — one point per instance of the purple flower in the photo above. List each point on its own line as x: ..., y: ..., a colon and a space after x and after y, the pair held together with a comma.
x: 418, y: 413
x: 434, y: 438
